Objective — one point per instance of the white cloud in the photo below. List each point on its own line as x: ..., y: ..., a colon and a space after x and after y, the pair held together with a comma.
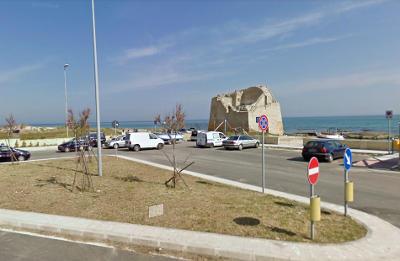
x: 308, y: 42
x: 268, y: 30
x: 135, y: 53
x: 253, y: 34
x: 351, y: 5
x: 355, y: 80
x: 13, y: 74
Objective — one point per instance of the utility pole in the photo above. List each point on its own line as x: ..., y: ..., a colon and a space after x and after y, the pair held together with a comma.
x: 96, y: 84
x: 66, y: 96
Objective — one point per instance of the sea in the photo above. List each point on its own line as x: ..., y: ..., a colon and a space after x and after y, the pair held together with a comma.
x: 372, y: 123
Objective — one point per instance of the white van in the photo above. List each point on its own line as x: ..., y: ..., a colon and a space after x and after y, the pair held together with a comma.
x: 210, y: 139
x: 143, y: 140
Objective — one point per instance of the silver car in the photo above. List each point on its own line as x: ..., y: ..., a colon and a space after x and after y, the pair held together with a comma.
x: 239, y: 142
x: 116, y: 143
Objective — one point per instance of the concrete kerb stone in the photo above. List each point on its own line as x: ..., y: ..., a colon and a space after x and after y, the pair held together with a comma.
x: 381, y: 241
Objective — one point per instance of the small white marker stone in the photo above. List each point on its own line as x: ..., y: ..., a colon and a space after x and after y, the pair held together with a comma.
x: 156, y: 210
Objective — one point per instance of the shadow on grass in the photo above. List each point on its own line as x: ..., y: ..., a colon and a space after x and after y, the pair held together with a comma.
x: 326, y: 212
x: 53, y: 181
x: 203, y: 182
x: 79, y: 170
x: 129, y: 178
x: 283, y: 204
x: 282, y: 231
x: 247, y: 221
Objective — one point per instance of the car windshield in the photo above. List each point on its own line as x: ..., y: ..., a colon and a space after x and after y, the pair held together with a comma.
x: 233, y: 137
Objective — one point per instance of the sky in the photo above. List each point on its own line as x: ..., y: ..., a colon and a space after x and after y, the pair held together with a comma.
x: 319, y: 58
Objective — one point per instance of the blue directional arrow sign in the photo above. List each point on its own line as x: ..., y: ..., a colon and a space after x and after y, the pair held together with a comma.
x: 348, y: 159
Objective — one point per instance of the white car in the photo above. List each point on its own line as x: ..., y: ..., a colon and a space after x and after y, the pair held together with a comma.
x: 210, y: 139
x: 143, y: 140
x: 167, y: 137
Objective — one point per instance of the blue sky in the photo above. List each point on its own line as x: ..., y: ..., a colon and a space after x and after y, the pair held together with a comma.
x: 319, y: 58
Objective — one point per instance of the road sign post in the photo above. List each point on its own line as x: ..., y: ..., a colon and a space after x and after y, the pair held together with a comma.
x: 389, y: 116
x: 115, y: 124
x: 263, y: 125
x: 348, y: 186
x: 315, y: 209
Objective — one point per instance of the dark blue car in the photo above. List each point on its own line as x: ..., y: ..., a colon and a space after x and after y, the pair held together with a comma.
x: 327, y: 150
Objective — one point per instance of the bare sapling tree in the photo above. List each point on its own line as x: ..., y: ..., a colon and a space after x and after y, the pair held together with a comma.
x: 80, y: 128
x: 11, y: 125
x: 157, y: 119
x: 174, y: 122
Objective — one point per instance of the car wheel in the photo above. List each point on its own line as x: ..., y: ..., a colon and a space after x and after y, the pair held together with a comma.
x: 240, y: 147
x: 67, y: 149
x: 211, y: 145
x: 160, y: 146
x: 136, y: 148
x: 20, y: 158
x: 256, y: 146
x: 330, y: 158
x: 115, y: 146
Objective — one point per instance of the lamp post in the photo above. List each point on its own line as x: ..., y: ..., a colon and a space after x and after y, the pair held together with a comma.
x: 96, y: 85
x: 66, y: 96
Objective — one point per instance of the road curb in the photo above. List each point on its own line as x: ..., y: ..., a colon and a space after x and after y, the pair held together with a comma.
x: 380, y: 243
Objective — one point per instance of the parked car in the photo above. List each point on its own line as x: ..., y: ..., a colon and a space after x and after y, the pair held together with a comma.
x: 169, y: 138
x: 240, y: 141
x: 210, y: 139
x: 193, y: 136
x: 324, y: 150
x: 117, y: 142
x: 185, y: 130
x: 74, y: 145
x: 93, y: 138
x: 143, y: 140
x: 20, y: 155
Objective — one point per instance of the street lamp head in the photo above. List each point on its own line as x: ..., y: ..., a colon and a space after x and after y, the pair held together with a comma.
x: 66, y: 65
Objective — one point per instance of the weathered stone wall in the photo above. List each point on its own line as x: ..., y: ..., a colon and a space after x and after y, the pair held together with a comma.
x: 241, y: 108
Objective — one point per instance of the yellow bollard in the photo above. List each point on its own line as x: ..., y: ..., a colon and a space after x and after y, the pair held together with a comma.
x: 315, y: 208
x: 349, y: 191
x: 396, y: 144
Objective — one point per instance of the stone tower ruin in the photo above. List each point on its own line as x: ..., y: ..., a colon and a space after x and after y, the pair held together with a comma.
x: 241, y: 107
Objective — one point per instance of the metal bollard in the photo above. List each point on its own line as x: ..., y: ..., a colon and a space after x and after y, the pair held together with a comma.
x: 349, y: 191
x: 315, y: 208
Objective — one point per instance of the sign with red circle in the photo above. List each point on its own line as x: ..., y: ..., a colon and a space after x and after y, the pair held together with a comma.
x: 263, y: 123
x: 313, y: 170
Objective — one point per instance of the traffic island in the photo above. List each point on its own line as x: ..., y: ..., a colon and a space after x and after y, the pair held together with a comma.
x: 128, y: 190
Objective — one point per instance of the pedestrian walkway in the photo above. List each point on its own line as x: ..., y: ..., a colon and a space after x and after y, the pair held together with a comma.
x: 385, y: 162
x: 380, y: 243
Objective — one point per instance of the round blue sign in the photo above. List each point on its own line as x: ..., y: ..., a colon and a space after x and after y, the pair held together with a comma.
x: 348, y: 159
x: 263, y: 122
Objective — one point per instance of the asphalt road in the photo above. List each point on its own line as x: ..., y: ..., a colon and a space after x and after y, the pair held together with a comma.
x: 17, y: 246
x: 376, y: 191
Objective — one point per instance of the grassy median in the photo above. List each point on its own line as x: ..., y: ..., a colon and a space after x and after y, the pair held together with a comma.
x: 127, y: 189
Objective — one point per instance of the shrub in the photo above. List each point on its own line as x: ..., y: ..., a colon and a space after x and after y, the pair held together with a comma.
x: 23, y: 144
x: 16, y: 144
x: 37, y: 144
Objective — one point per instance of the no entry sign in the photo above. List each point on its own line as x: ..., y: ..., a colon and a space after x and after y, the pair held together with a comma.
x: 313, y: 170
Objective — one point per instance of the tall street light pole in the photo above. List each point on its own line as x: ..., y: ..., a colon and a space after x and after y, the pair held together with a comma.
x: 66, y: 96
x: 96, y: 84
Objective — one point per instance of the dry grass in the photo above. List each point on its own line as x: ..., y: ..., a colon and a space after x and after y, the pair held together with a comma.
x: 127, y: 189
